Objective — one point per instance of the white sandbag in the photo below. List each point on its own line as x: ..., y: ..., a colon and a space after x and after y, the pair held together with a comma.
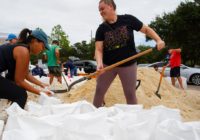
x: 176, y: 130
x: 141, y: 124
x: 15, y: 109
x: 79, y: 136
x: 195, y: 126
x: 74, y: 108
x: 50, y: 109
x: 1, y: 127
x: 129, y: 108
x: 32, y: 127
x: 46, y: 100
x: 92, y: 126
x: 43, y: 107
x: 89, y: 124
x: 82, y: 121
x: 166, y: 113
x: 38, y: 110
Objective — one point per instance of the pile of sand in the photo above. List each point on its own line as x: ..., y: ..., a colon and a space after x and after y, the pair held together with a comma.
x: 187, y: 101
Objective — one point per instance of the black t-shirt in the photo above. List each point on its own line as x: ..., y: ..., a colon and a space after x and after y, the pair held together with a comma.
x: 118, y: 39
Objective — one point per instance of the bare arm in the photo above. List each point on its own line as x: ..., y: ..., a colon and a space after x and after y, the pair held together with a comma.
x: 152, y: 34
x: 167, y: 65
x: 33, y: 80
x: 45, y: 56
x: 57, y: 53
x: 99, y: 54
x: 22, y: 58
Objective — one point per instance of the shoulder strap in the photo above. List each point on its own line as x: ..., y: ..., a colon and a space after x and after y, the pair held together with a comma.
x: 21, y: 44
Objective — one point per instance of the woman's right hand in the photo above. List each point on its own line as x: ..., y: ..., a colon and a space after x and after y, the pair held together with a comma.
x: 47, y: 92
x: 99, y: 67
x: 160, y: 45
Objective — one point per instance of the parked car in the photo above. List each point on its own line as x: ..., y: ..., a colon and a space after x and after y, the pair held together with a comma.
x: 73, y: 58
x: 191, y: 74
x: 142, y: 65
x: 89, y: 66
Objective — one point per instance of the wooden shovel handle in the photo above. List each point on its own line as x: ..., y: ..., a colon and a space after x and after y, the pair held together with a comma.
x: 120, y: 63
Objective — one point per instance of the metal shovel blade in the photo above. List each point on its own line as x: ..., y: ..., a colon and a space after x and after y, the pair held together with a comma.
x: 158, y: 95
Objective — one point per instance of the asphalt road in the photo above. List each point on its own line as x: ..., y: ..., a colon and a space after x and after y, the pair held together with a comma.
x: 193, y: 87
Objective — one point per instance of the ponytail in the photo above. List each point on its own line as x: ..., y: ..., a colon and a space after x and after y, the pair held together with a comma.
x: 24, y: 36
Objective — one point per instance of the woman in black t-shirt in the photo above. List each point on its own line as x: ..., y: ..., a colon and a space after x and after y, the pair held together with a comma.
x: 115, y: 42
x: 15, y: 58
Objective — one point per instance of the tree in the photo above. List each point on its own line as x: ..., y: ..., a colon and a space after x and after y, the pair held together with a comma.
x: 181, y: 28
x: 84, y: 50
x: 152, y: 57
x: 197, y: 2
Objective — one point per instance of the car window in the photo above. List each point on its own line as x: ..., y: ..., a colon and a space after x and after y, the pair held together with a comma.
x: 94, y: 63
x: 78, y: 64
x: 184, y: 67
x: 157, y: 64
x: 160, y: 64
x: 86, y: 63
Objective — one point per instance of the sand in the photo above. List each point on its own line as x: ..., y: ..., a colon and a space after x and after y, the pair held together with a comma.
x: 187, y: 101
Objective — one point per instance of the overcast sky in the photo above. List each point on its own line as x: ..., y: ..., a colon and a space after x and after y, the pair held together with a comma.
x: 77, y: 17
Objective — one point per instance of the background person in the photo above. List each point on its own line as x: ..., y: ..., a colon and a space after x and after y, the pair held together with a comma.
x: 70, y: 66
x: 12, y: 39
x: 115, y: 42
x: 15, y: 59
x: 175, y: 63
x: 53, y: 61
x: 38, y: 71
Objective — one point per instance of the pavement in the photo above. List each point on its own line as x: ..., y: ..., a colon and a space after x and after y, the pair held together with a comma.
x: 193, y: 87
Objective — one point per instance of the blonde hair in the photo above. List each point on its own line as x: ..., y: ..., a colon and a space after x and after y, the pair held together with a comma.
x: 109, y: 2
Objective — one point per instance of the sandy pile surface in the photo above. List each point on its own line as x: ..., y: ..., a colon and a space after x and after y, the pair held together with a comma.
x: 187, y: 101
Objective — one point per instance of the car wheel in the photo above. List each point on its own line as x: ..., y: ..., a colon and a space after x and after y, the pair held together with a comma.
x: 86, y: 70
x: 195, y: 79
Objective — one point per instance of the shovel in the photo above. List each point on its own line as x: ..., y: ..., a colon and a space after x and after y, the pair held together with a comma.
x: 161, y: 77
x: 88, y: 77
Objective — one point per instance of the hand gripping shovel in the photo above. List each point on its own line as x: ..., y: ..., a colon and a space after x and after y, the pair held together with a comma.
x: 88, y: 77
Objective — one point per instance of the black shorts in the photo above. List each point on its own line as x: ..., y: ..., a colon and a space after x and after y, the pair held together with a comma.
x: 55, y: 71
x: 175, y: 72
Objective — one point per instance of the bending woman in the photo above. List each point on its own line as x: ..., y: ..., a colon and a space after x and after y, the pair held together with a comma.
x: 15, y: 58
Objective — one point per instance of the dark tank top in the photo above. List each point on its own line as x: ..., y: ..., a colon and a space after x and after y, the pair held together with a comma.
x: 7, y: 61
